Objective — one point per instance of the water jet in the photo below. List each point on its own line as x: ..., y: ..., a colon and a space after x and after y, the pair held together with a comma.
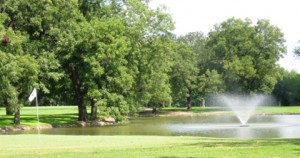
x: 243, y: 106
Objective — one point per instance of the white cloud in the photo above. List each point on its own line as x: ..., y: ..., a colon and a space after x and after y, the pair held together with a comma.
x: 202, y: 15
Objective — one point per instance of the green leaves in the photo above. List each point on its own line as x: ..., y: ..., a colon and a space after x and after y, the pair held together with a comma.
x: 247, y: 54
x: 287, y: 90
x: 297, y: 51
x: 210, y: 83
x: 18, y: 70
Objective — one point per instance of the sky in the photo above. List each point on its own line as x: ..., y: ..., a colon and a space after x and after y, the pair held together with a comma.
x: 202, y: 15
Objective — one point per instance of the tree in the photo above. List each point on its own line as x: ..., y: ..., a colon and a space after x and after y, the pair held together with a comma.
x: 38, y: 19
x: 209, y: 83
x: 151, y: 51
x: 102, y: 52
x: 297, y: 51
x: 287, y: 90
x: 246, y: 54
x: 154, y: 72
x: 18, y: 70
x: 185, y: 70
x: 191, y: 77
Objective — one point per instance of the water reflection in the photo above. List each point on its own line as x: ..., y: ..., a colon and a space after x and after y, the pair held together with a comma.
x: 269, y: 126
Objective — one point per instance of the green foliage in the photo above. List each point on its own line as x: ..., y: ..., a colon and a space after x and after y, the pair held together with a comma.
x: 211, y: 83
x: 185, y: 68
x: 150, y: 54
x: 246, y: 54
x: 98, y: 52
x: 18, y: 70
x: 287, y: 90
x: 38, y: 19
x: 297, y: 51
x: 191, y: 77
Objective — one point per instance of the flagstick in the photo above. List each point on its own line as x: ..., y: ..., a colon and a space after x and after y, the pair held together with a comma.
x: 37, y: 116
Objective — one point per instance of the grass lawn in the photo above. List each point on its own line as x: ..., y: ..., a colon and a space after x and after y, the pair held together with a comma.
x: 279, y: 110
x: 47, y: 115
x: 216, y: 110
x: 23, y: 146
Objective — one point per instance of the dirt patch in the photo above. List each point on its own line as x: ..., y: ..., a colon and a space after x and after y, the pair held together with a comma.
x: 24, y: 128
x: 179, y: 113
x: 149, y: 113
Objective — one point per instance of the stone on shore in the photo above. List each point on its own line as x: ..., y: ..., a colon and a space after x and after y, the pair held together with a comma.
x: 109, y: 119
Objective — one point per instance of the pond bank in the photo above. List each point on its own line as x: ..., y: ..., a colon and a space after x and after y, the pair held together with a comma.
x: 105, y: 122
x: 148, y: 113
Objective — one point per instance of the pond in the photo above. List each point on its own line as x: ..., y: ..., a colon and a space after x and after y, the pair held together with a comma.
x: 220, y: 126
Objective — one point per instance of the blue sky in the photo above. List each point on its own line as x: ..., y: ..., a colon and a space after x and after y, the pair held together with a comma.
x: 202, y: 15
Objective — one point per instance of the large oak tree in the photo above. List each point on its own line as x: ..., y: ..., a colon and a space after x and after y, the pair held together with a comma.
x: 246, y: 54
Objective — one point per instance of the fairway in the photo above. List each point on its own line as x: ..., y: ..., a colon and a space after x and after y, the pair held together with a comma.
x: 27, y: 146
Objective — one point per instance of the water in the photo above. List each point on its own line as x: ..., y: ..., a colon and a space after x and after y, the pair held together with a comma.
x: 242, y: 105
x: 220, y: 126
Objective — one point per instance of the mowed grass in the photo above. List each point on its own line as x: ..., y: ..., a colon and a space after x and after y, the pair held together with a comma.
x: 223, y: 110
x: 279, y: 110
x: 28, y: 146
x: 47, y: 115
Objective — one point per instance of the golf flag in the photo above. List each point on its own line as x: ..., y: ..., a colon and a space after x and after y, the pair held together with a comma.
x: 32, y: 95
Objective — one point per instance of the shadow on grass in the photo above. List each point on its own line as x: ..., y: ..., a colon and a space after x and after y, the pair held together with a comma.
x: 51, y: 119
x: 44, y: 119
x: 6, y: 121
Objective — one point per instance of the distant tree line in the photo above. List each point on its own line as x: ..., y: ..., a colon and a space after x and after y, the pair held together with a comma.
x: 114, y: 56
x: 287, y: 90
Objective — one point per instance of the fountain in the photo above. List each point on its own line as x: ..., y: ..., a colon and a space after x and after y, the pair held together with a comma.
x: 243, y: 106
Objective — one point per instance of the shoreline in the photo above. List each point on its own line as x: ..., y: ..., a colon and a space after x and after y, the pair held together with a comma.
x: 20, y: 128
x: 112, y: 121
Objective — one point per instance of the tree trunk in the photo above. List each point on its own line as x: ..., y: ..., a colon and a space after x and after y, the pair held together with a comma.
x: 279, y: 102
x: 79, y: 94
x: 154, y: 110
x: 93, y: 111
x: 82, y: 113
x: 203, y: 103
x: 17, y: 117
x: 189, y: 102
